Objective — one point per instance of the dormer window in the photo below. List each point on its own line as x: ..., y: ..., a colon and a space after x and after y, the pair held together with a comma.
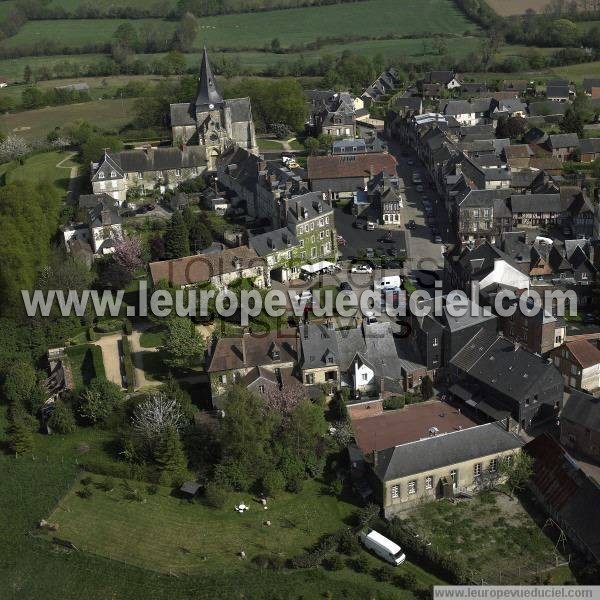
x: 100, y: 175
x: 113, y: 173
x: 275, y: 355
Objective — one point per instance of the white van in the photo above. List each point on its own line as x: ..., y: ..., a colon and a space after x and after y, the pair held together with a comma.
x: 370, y: 226
x: 389, y: 282
x: 384, y: 548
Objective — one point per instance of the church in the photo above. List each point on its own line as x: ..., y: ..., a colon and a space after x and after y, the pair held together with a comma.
x: 211, y: 122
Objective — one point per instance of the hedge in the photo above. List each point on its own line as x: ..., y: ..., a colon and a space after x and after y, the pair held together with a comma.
x: 92, y: 336
x: 128, y: 363
x: 109, y: 326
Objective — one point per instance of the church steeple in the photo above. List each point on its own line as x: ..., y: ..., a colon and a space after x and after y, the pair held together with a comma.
x: 207, y: 93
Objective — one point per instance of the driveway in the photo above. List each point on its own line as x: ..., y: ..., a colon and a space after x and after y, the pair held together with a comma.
x: 111, y: 356
x: 137, y: 353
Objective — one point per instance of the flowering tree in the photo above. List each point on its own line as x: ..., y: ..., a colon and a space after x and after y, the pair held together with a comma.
x: 152, y: 417
x: 127, y: 254
x: 13, y: 147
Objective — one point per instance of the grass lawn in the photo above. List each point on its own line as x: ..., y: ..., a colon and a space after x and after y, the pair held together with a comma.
x: 170, y: 535
x: 108, y: 115
x: 39, y: 167
x: 151, y: 338
x: 86, y: 363
x: 266, y: 144
x: 493, y: 536
x: 154, y: 367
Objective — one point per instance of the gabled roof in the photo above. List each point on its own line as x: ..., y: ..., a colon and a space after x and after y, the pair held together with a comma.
x: 582, y: 409
x: 564, y: 140
x: 585, y: 354
x: 444, y: 450
x: 496, y: 362
x: 202, y: 267
x: 228, y: 352
x: 273, y: 241
x: 568, y: 494
x: 589, y: 145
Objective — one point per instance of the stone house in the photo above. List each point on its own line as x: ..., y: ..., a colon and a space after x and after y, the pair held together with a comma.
x: 220, y: 269
x: 579, y: 364
x: 331, y: 113
x: 580, y: 424
x: 562, y: 145
x: 441, y: 466
x: 589, y: 149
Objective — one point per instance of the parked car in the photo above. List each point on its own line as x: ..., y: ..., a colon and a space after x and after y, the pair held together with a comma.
x: 370, y: 226
x: 411, y: 224
x: 345, y: 287
x: 359, y: 224
x: 362, y: 269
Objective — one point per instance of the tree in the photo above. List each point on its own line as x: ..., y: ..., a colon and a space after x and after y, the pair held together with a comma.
x: 200, y: 235
x: 152, y: 417
x: 312, y: 145
x: 517, y: 469
x: 92, y: 149
x: 184, y: 346
x: 27, y: 74
x: 177, y: 244
x: 19, y: 383
x: 185, y: 32
x: 513, y: 127
x: 127, y: 254
x: 273, y: 483
x: 571, y: 122
x: 98, y: 401
x: 13, y: 147
x: 61, y: 420
x: 170, y: 457
x: 20, y: 437
x: 426, y: 387
x: 32, y: 97
x: 157, y: 248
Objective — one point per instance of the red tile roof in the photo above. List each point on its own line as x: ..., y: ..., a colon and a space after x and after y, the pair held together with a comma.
x: 584, y: 352
x: 355, y: 165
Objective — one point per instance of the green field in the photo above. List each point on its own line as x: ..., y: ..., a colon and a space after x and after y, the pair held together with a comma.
x: 39, y: 167
x: 32, y: 568
x: 108, y: 115
x: 72, y: 5
x: 254, y: 30
x: 86, y: 364
x: 5, y: 8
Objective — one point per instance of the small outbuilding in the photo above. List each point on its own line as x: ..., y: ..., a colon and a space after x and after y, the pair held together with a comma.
x: 190, y: 488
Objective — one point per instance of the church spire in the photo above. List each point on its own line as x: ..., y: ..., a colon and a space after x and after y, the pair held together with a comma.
x: 207, y: 93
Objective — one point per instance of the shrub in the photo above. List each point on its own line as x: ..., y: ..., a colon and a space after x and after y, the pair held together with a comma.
x: 273, y: 483
x: 295, y: 485
x: 361, y: 564
x: 91, y: 335
x: 267, y: 561
x: 215, y: 495
x: 128, y: 363
x: 86, y: 481
x: 334, y: 563
x: 107, y: 484
x: 85, y: 493
x: 393, y: 403
x: 384, y: 573
x: 335, y: 487
x: 127, y: 327
x: 109, y: 326
x: 62, y: 420
x: 152, y: 489
x: 349, y: 543
x: 406, y: 580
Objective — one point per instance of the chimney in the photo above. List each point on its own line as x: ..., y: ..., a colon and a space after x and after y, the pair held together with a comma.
x: 299, y: 211
x: 105, y: 217
x: 372, y: 171
x: 375, y: 458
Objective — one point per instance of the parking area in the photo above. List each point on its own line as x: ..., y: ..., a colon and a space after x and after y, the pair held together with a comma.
x: 422, y: 252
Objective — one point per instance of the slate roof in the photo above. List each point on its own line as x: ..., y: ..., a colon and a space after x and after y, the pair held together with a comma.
x: 589, y: 145
x: 483, y: 198
x: 536, y: 203
x: 582, y: 409
x: 317, y: 342
x: 308, y: 206
x: 544, y: 108
x: 589, y: 83
x: 457, y: 107
x: 227, y: 352
x: 102, y: 216
x: 444, y: 450
x: 493, y: 360
x: 564, y: 140
x: 161, y: 159
x: 273, y: 241
x: 355, y: 165
x: 207, y: 92
x: 202, y: 267
x: 557, y: 91
x: 87, y: 201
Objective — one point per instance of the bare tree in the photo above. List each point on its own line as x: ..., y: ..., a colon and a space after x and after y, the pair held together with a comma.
x: 156, y: 414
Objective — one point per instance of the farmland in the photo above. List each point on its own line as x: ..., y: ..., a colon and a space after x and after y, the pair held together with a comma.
x: 106, y: 114
x: 507, y: 8
x: 252, y: 30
